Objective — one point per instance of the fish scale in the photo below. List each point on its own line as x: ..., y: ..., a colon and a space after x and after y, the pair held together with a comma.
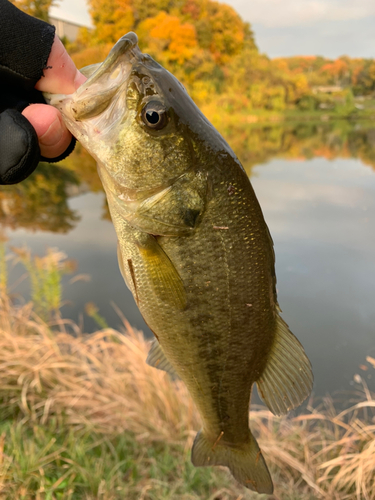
x: 194, y: 250
x: 230, y: 313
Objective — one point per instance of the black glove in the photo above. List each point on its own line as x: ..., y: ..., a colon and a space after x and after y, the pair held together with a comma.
x: 25, y: 44
x: 19, y: 148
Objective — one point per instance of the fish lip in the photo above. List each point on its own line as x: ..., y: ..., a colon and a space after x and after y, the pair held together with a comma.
x: 125, y: 44
x: 85, y: 102
x: 122, y: 46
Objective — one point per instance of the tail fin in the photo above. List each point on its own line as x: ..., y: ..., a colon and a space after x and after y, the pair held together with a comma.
x: 245, y: 463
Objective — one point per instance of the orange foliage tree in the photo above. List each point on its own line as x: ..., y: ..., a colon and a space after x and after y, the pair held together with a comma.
x: 167, y: 37
x: 335, y: 70
x: 195, y: 39
x: 182, y: 29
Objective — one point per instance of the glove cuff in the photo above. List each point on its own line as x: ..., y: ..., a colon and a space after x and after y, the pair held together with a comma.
x: 19, y: 147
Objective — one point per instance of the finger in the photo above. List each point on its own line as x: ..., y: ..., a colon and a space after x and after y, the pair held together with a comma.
x: 61, y: 76
x: 54, y: 137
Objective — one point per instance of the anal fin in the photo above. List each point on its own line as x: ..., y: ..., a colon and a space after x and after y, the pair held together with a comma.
x: 157, y: 359
x: 287, y: 379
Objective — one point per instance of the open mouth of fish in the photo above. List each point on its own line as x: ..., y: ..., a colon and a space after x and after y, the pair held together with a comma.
x: 100, y: 105
x: 97, y: 111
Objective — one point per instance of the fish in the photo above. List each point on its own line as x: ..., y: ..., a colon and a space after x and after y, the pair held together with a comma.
x: 194, y: 249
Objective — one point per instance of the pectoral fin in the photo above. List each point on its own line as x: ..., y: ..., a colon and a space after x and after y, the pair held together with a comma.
x: 148, y: 263
x: 162, y: 274
x: 157, y: 359
x: 287, y: 379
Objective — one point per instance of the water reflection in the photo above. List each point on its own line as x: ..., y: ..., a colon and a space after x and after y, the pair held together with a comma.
x: 321, y: 215
x: 40, y: 203
x: 316, y: 185
x: 304, y: 141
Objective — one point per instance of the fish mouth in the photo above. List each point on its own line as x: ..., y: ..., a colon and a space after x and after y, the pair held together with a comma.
x: 100, y: 93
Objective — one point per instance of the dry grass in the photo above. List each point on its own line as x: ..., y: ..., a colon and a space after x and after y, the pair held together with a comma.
x: 100, y: 380
x: 100, y: 384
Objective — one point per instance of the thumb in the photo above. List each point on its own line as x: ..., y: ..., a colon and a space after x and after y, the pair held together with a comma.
x: 61, y: 75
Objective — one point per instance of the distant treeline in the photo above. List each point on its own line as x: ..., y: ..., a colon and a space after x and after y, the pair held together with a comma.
x: 358, y: 73
x: 212, y: 51
x: 330, y: 81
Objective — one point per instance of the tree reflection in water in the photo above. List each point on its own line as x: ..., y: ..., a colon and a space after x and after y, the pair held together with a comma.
x: 255, y: 145
x: 40, y: 203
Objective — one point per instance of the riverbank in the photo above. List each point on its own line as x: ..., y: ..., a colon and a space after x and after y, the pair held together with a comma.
x: 83, y: 417
x: 230, y: 114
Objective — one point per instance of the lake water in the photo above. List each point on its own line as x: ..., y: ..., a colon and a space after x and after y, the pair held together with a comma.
x: 316, y: 186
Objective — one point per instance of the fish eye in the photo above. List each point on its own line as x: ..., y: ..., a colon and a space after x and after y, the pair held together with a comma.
x: 154, y: 115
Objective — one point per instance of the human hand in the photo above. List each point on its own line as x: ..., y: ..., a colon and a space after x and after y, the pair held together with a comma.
x: 60, y: 77
x: 39, y: 132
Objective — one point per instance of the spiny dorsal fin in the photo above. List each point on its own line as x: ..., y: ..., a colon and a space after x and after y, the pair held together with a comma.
x: 287, y: 379
x: 157, y: 359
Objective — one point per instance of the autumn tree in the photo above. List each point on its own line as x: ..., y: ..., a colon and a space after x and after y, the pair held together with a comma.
x: 364, y: 79
x: 112, y: 19
x: 168, y: 39
x: 195, y: 39
x: 336, y: 71
x: 204, y: 24
x: 355, y: 73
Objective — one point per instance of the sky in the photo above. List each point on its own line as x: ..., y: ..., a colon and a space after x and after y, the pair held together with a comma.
x: 330, y: 28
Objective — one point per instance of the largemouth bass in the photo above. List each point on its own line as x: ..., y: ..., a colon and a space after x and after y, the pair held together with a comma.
x: 194, y: 249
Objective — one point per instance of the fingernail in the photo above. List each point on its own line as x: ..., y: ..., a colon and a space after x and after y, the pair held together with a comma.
x: 53, y: 134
